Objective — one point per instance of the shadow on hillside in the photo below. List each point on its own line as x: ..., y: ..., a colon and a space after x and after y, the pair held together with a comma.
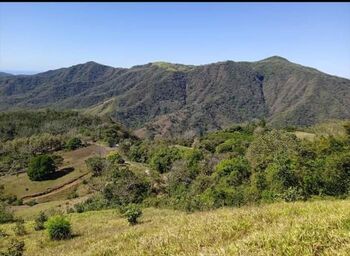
x: 60, y: 173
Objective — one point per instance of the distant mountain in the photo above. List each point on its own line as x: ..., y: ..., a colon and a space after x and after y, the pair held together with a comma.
x: 5, y: 74
x: 170, y: 99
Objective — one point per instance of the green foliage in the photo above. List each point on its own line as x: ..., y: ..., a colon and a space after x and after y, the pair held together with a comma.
x: 40, y: 167
x: 15, y: 248
x: 125, y: 187
x: 234, y: 171
x: 31, y: 202
x: 96, y: 165
x: 73, y: 194
x: 27, y: 133
x: 19, y: 228
x: 264, y: 147
x: 139, y: 152
x: 74, y: 143
x: 163, y: 158
x: 40, y: 221
x: 58, y: 228
x: 132, y: 212
x: 115, y: 158
x: 5, y: 215
x: 336, y: 174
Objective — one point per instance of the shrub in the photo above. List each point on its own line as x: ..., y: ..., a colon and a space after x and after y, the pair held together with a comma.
x: 40, y: 167
x: 293, y: 194
x: 58, y: 228
x: 96, y: 165
x: 115, y: 158
x: 73, y: 194
x: 132, y: 212
x: 19, y: 228
x: 3, y: 234
x: 31, y: 202
x: 5, y: 215
x: 16, y: 248
x: 91, y: 204
x: 40, y: 221
x: 139, y: 152
x: 74, y: 143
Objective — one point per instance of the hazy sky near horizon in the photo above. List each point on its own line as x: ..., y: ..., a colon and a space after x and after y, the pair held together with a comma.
x: 36, y: 37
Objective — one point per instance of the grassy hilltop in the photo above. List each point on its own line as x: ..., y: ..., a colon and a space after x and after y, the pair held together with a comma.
x: 302, y: 228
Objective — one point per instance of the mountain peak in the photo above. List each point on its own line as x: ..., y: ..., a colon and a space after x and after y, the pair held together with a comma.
x: 275, y: 58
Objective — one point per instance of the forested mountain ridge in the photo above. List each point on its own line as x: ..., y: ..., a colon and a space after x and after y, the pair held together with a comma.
x: 170, y: 99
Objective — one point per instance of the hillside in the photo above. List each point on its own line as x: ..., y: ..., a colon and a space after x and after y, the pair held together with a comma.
x: 5, y: 74
x: 171, y: 99
x: 301, y: 228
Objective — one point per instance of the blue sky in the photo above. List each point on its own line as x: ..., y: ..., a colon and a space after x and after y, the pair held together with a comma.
x: 40, y: 36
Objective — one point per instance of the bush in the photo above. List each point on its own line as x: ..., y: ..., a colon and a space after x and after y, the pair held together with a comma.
x: 5, y: 215
x: 96, y: 165
x: 115, y: 158
x: 19, y: 228
x: 73, y: 194
x: 40, y: 221
x: 3, y: 234
x: 139, y: 152
x: 40, y: 167
x: 74, y: 143
x: 293, y: 194
x: 132, y: 212
x: 31, y: 202
x: 16, y: 248
x: 58, y: 228
x: 91, y: 204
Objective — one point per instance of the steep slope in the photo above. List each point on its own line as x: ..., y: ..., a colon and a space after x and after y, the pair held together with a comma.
x: 170, y: 99
x: 300, y: 95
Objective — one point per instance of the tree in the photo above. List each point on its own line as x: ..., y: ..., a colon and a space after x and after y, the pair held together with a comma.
x: 96, y: 165
x: 74, y: 143
x: 163, y: 159
x: 235, y: 171
x: 40, y: 167
x: 125, y: 187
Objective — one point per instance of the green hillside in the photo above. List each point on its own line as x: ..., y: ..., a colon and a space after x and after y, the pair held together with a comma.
x: 170, y: 99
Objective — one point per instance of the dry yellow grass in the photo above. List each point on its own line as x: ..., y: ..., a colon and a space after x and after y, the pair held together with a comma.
x: 301, y: 228
x: 305, y: 135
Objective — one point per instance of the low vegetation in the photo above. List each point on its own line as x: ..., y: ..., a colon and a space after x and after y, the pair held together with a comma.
x: 58, y: 228
x: 297, y: 228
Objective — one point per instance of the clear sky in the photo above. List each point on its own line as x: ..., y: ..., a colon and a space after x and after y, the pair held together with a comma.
x: 40, y: 36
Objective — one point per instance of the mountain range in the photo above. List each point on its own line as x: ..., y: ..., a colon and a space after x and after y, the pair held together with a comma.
x: 168, y: 99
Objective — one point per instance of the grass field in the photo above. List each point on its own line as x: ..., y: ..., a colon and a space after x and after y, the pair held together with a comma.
x: 301, y: 228
x: 21, y: 186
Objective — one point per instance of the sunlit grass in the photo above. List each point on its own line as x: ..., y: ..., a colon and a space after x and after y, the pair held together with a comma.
x: 302, y: 228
